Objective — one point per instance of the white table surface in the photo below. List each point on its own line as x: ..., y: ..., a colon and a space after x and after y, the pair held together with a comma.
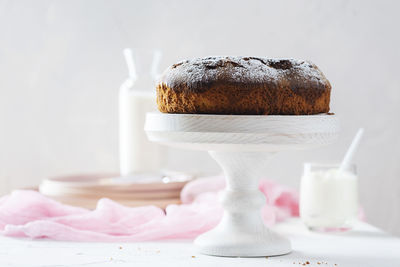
x: 364, y: 246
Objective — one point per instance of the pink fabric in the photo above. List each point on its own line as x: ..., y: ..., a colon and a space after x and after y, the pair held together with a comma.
x: 26, y: 213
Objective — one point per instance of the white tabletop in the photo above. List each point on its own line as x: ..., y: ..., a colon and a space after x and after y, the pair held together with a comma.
x: 364, y: 246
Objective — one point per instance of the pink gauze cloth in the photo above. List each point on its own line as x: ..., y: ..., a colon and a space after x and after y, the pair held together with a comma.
x: 26, y: 213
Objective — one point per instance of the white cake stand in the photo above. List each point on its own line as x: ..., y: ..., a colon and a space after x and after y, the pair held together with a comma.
x: 242, y: 145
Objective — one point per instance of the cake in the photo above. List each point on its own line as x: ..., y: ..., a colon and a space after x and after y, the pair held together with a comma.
x: 243, y: 86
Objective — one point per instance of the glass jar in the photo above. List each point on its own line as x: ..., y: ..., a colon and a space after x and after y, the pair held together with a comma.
x: 328, y: 197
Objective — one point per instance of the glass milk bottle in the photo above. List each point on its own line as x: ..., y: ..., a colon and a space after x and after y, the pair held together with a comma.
x: 328, y: 197
x: 137, y: 96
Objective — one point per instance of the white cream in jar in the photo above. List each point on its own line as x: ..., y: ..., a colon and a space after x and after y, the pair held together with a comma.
x: 328, y: 198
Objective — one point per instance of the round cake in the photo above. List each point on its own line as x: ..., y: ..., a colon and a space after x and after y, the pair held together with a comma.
x: 243, y: 86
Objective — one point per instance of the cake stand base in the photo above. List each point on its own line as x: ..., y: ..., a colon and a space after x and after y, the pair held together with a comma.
x: 241, y: 231
x: 258, y: 243
x: 242, y: 146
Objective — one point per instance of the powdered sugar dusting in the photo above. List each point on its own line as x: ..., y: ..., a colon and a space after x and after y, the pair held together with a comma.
x: 198, y: 72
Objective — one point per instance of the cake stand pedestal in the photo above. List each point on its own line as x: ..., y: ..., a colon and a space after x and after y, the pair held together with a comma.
x: 242, y: 145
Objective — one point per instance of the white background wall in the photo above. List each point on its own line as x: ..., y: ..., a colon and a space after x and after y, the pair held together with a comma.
x: 61, y: 66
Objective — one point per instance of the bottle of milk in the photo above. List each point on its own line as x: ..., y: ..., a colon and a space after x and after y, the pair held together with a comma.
x: 328, y: 197
x: 138, y: 156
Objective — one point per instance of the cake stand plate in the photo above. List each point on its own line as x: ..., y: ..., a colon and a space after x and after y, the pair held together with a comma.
x: 242, y: 145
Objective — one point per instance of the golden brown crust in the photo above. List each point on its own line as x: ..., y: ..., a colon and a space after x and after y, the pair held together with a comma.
x: 244, y: 86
